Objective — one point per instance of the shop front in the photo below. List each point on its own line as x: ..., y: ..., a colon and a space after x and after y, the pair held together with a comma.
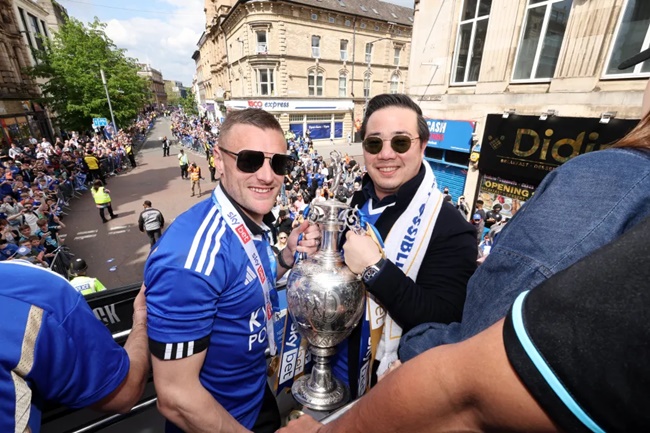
x: 322, y: 120
x: 19, y: 127
x: 447, y: 152
x: 517, y: 152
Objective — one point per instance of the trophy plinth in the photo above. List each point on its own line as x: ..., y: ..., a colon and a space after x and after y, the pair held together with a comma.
x: 325, y: 300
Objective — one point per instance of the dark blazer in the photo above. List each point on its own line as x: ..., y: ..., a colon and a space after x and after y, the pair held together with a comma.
x: 438, y: 293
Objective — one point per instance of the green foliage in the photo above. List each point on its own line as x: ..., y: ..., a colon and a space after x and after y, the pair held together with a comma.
x: 188, y: 104
x: 70, y: 64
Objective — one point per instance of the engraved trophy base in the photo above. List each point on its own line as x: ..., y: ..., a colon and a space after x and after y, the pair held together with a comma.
x: 320, y: 390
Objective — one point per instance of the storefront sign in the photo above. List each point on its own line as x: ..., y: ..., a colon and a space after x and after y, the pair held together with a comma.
x: 451, y: 134
x: 291, y: 104
x: 511, y: 195
x: 527, y: 148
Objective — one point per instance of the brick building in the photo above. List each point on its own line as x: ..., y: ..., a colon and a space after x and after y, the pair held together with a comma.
x: 156, y: 84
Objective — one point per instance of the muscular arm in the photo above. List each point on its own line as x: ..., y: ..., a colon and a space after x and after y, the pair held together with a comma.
x: 184, y: 401
x: 469, y: 386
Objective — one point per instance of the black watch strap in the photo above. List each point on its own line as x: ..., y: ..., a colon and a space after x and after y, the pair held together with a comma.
x: 371, y: 271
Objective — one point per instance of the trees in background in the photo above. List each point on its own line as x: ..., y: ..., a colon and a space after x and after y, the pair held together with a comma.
x: 70, y: 65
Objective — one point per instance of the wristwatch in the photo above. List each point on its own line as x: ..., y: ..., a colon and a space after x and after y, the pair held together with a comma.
x: 369, y: 273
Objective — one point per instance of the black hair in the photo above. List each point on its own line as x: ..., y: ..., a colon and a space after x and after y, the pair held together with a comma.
x: 396, y: 100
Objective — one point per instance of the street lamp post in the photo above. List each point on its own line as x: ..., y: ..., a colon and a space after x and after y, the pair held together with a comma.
x: 368, y: 71
x: 108, y: 98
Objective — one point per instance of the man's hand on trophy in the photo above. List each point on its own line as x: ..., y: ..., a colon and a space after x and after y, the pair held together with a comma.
x: 310, y: 240
x: 304, y: 424
x: 360, y: 251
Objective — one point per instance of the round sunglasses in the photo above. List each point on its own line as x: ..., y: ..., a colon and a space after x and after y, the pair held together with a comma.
x: 400, y: 144
x: 249, y: 161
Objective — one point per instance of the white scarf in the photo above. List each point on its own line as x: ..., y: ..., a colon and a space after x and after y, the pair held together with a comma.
x: 412, y: 218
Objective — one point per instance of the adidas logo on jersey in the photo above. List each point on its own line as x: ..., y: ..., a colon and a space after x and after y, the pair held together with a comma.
x: 250, y: 276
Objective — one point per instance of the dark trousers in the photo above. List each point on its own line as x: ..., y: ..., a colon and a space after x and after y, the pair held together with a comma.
x: 97, y: 174
x: 154, y: 235
x: 165, y: 151
x: 110, y: 212
x: 131, y: 159
x: 184, y: 172
x: 212, y: 172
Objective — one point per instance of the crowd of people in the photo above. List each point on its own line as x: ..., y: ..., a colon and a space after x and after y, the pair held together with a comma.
x: 537, y: 338
x: 38, y: 179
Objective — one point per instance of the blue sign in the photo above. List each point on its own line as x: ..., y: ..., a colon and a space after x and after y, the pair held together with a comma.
x: 100, y: 121
x: 451, y: 134
x: 319, y: 130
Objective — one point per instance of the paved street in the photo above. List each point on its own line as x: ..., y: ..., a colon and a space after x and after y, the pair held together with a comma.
x: 116, y: 251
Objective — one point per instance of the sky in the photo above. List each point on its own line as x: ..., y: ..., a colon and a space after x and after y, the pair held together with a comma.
x: 163, y: 33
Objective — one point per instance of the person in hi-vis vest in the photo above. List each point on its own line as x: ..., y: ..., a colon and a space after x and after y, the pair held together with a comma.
x: 102, y: 199
x: 82, y: 283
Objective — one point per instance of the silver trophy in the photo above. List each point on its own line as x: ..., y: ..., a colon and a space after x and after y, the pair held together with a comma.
x: 325, y: 300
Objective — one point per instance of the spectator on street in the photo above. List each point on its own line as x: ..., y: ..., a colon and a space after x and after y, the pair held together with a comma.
x: 151, y: 221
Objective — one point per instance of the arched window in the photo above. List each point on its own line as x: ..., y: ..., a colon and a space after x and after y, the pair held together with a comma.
x: 343, y: 85
x: 315, y: 83
x: 394, y: 83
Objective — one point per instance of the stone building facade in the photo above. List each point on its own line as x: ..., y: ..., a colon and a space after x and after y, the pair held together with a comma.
x: 539, y: 58
x: 20, y: 116
x: 312, y: 63
x: 156, y: 84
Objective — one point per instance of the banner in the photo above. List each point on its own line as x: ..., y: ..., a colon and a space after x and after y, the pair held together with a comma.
x: 527, y: 148
x: 319, y: 131
x: 510, y: 194
x: 451, y: 134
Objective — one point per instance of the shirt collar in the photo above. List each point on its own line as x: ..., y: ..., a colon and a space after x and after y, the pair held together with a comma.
x: 256, y: 230
x: 407, y: 190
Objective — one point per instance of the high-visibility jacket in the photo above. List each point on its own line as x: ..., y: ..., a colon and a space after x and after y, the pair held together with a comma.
x: 195, y: 173
x: 211, y: 162
x: 92, y: 162
x: 182, y: 159
x: 87, y: 285
x: 128, y: 149
x: 100, y: 195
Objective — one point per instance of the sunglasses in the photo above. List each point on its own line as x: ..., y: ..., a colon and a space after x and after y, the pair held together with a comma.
x: 249, y: 161
x: 399, y: 143
x: 282, y: 238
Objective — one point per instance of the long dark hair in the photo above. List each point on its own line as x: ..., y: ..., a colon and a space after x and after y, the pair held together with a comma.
x: 639, y: 137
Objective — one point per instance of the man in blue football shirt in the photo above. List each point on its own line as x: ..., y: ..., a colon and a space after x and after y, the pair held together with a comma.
x: 54, y: 349
x: 210, y: 288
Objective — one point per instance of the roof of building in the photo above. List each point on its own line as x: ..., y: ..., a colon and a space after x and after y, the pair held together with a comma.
x: 371, y: 9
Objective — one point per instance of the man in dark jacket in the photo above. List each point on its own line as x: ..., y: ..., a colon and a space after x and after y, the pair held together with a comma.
x: 151, y: 221
x: 400, y: 198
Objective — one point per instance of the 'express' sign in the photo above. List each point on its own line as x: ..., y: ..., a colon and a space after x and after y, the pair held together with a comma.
x: 268, y: 105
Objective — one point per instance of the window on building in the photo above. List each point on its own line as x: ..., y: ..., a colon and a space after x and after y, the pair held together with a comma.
x: 396, y: 53
x: 343, y: 85
x: 368, y: 52
x: 471, y: 40
x: 265, y: 82
x: 27, y: 34
x: 315, y: 83
x: 632, y: 36
x: 44, y: 27
x: 344, y: 49
x: 366, y: 85
x: 35, y: 31
x: 315, y: 47
x: 314, y: 17
x: 394, y: 83
x: 541, y: 39
x: 262, y: 44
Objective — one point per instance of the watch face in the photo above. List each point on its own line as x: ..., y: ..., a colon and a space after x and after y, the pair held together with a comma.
x: 369, y: 273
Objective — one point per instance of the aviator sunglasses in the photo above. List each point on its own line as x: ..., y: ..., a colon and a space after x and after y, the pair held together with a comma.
x: 399, y: 143
x: 249, y: 161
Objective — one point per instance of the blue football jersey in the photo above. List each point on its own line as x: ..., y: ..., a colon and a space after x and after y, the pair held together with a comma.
x: 203, y: 294
x: 53, y: 347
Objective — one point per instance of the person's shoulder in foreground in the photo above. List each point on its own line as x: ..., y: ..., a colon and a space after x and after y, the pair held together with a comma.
x: 51, y: 344
x: 584, y: 204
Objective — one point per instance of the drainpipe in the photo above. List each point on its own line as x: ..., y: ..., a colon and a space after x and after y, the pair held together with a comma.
x: 354, y: 49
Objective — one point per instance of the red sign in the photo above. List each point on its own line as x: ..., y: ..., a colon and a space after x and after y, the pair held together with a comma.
x: 260, y: 272
x: 255, y: 104
x: 243, y: 233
